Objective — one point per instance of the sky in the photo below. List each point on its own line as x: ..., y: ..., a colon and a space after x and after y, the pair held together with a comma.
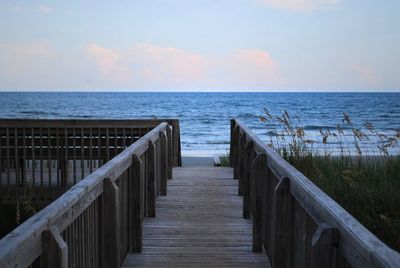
x: 200, y: 45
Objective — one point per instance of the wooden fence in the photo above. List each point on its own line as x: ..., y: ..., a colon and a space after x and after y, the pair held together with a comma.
x: 99, y: 219
x: 296, y: 223
x: 46, y: 157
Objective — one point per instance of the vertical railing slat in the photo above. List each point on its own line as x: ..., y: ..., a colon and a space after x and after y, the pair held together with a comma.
x: 74, y: 153
x: 23, y: 161
x: 41, y: 159
x: 82, y: 153
x: 33, y: 147
x: 49, y: 156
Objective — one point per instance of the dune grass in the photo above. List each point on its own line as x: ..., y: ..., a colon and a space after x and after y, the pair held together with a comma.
x: 366, y: 185
x: 224, y: 159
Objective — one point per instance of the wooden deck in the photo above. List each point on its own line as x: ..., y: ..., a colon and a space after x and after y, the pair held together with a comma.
x: 198, y: 224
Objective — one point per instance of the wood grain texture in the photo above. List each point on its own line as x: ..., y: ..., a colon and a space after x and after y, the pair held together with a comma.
x: 198, y: 224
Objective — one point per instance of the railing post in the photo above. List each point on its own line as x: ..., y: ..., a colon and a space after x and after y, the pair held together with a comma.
x: 232, y: 144
x: 164, y: 163
x: 137, y: 200
x: 169, y: 149
x: 236, y: 153
x: 111, y: 222
x: 151, y: 180
x: 245, y: 178
x: 242, y: 155
x: 176, y: 146
x: 55, y: 250
x: 282, y: 225
x: 323, y: 246
x: 257, y: 186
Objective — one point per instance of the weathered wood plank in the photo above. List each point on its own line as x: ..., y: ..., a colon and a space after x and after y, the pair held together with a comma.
x: 199, y: 224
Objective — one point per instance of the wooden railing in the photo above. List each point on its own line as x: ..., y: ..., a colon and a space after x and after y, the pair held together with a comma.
x: 49, y: 156
x: 97, y: 221
x: 296, y: 223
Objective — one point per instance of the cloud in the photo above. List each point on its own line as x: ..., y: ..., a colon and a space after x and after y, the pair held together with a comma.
x: 301, y: 5
x: 365, y: 73
x: 167, y: 63
x: 253, y: 67
x: 39, y: 65
x: 108, y: 62
x: 148, y: 65
x: 46, y: 9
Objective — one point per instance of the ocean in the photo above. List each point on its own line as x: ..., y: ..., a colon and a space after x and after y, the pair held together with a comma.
x: 204, y: 117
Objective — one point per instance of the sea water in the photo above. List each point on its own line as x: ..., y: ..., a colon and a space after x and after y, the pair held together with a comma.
x: 204, y: 117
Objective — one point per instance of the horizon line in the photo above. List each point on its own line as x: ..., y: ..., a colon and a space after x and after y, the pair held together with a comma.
x: 196, y: 91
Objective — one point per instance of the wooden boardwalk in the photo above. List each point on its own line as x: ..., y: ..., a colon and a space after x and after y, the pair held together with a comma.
x: 198, y: 224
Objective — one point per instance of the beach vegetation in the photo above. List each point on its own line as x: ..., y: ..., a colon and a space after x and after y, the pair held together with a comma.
x: 359, y: 167
x: 224, y: 159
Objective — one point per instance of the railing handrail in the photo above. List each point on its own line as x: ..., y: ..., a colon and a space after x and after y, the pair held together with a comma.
x: 8, y: 122
x: 26, y: 241
x: 357, y: 244
x: 100, y: 123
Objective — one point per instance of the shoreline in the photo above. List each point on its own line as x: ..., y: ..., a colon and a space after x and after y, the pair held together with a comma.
x: 200, y: 158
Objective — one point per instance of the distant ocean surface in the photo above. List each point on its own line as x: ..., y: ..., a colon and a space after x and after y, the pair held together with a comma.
x: 204, y: 117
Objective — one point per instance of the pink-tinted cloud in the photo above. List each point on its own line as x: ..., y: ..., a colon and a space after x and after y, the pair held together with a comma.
x: 108, y: 62
x: 150, y: 65
x: 253, y: 67
x: 301, y: 5
x: 365, y: 73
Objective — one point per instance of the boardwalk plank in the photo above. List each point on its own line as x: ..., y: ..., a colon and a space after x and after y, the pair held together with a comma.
x: 198, y: 224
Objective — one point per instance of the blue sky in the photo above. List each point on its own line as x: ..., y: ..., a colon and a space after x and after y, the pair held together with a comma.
x: 237, y: 45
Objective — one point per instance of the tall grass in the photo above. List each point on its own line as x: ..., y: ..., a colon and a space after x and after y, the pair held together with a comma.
x: 362, y: 171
